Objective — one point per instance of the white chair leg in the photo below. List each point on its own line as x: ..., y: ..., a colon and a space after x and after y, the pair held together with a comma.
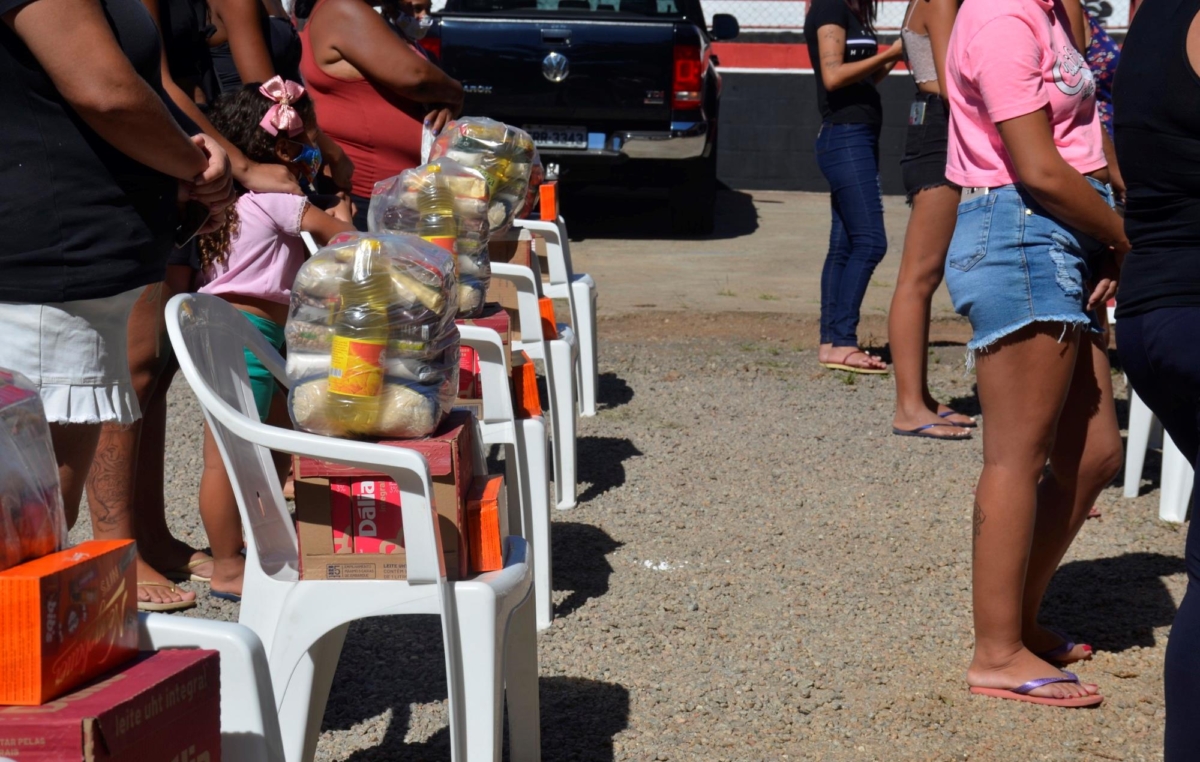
x: 302, y: 691
x: 531, y: 439
x: 1140, y: 423
x: 564, y: 446
x: 481, y: 640
x: 585, y: 307
x: 521, y: 687
x: 1175, y: 490
x: 249, y: 723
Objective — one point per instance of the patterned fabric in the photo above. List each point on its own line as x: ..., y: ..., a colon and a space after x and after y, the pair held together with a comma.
x: 1103, y: 55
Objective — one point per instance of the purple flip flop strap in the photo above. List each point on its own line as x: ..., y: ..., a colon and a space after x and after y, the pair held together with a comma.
x: 1033, y: 685
x: 1061, y: 649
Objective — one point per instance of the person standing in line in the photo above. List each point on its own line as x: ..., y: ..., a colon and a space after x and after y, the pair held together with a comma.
x: 1158, y: 304
x: 934, y: 202
x: 848, y: 64
x: 1036, y: 249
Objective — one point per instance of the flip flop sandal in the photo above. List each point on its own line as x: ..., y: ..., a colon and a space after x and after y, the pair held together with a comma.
x: 231, y: 597
x: 923, y: 432
x: 185, y: 574
x: 1021, y: 693
x: 1054, y: 655
x: 164, y: 607
x: 948, y: 413
x: 1094, y: 513
x: 854, y: 368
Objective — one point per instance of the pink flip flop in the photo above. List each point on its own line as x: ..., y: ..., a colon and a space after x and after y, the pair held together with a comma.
x: 1021, y: 693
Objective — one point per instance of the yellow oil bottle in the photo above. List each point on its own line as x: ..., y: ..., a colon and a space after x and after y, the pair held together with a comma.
x: 356, y: 370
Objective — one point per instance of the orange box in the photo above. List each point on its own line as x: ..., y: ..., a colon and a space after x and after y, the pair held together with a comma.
x: 549, y: 197
x: 486, y: 505
x: 549, y: 322
x: 526, y: 400
x: 65, y: 618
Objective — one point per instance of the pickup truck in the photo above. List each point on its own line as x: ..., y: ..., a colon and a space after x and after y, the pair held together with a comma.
x: 610, y: 90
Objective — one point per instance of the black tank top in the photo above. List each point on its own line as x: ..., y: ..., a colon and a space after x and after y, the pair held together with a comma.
x: 1156, y: 104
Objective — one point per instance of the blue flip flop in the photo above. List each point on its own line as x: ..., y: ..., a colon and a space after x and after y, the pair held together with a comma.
x: 949, y: 413
x: 231, y: 597
x: 923, y: 432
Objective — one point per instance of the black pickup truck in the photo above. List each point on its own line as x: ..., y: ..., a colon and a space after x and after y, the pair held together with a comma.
x: 610, y: 90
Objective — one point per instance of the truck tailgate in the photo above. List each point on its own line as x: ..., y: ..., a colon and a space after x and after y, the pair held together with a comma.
x: 500, y: 63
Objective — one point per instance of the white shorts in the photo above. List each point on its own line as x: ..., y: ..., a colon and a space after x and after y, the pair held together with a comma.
x: 76, y: 354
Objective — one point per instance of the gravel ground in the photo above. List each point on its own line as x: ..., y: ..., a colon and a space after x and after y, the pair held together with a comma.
x: 758, y: 570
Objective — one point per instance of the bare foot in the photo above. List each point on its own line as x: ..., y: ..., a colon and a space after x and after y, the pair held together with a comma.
x: 228, y: 575
x: 940, y: 429
x: 173, y: 557
x: 949, y: 415
x: 850, y: 356
x: 155, y: 588
x: 1041, y: 640
x: 1021, y: 668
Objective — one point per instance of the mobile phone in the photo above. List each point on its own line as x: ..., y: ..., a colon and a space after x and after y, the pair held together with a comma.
x: 191, y: 219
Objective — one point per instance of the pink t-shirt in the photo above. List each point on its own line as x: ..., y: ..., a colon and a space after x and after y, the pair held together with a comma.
x: 1009, y: 58
x: 266, y: 251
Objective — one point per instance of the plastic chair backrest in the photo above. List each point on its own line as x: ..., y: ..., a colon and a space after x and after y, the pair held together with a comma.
x: 209, y: 336
x: 487, y: 344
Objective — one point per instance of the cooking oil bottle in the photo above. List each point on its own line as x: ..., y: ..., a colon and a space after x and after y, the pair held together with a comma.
x: 435, y: 202
x: 356, y: 368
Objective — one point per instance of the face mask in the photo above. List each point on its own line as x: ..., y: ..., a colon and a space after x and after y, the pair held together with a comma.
x: 309, y: 162
x: 413, y: 28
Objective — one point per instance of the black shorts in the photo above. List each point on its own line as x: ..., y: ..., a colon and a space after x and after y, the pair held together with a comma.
x: 924, y: 162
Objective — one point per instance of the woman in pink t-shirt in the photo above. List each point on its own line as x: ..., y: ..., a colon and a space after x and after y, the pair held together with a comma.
x: 1036, y: 249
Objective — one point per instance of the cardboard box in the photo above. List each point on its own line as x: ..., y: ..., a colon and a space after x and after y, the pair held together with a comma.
x: 65, y: 618
x: 514, y: 247
x: 526, y: 397
x: 487, y: 511
x: 495, y: 317
x: 548, y: 196
x: 450, y: 453
x: 163, y: 707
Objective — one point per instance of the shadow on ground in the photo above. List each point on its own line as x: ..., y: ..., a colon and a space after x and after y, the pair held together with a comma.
x: 580, y: 563
x: 395, y: 662
x: 601, y: 463
x: 602, y: 212
x: 612, y: 392
x: 1113, y: 603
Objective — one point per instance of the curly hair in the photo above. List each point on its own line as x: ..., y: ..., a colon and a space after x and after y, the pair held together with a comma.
x: 237, y: 115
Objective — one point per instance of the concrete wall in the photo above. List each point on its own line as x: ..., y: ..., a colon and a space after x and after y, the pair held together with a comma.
x: 770, y: 121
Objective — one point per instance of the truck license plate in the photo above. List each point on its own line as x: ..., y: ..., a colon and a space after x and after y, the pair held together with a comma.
x: 558, y: 137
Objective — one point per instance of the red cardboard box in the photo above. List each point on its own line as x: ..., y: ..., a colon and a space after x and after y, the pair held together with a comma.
x: 65, y: 618
x: 495, y: 317
x: 376, y: 525
x: 450, y: 453
x: 163, y: 707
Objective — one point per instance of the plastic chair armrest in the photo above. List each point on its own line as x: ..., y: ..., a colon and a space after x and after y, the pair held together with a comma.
x: 497, y: 398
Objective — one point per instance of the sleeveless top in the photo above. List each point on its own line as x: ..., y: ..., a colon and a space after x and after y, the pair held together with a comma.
x: 1158, y: 146
x: 379, y: 130
x: 184, y: 26
x: 918, y: 51
x: 283, y: 45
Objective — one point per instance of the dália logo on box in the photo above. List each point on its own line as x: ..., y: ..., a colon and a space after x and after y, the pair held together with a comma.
x: 367, y: 511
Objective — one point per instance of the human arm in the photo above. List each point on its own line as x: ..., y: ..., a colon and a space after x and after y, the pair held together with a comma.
x: 836, y: 73
x: 341, y: 168
x: 74, y: 44
x: 361, y: 37
x: 1114, y: 170
x: 323, y: 225
x: 243, y: 21
x: 1079, y: 27
x: 939, y: 22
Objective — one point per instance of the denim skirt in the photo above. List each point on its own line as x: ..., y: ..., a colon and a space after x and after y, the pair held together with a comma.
x: 1011, y: 264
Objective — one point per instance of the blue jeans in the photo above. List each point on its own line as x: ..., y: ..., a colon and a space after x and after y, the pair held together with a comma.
x: 1158, y: 352
x: 848, y: 155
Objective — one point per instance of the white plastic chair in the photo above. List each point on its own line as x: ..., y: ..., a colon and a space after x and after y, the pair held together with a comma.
x: 558, y: 357
x: 579, y: 290
x: 249, y: 723
x: 525, y: 460
x: 490, y: 637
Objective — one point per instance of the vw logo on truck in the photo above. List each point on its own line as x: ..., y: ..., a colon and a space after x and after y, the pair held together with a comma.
x: 556, y: 67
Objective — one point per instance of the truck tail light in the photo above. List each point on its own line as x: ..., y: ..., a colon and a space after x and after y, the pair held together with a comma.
x: 689, y: 75
x: 432, y: 45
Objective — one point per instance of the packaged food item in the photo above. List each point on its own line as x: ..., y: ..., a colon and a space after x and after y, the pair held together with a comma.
x: 372, y: 345
x: 502, y: 153
x: 446, y: 204
x: 537, y: 176
x: 32, y: 521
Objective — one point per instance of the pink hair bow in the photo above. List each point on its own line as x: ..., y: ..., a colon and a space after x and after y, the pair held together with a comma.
x: 282, y: 116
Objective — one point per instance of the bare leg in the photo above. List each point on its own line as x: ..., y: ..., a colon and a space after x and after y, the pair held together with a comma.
x: 1086, y: 456
x: 74, y: 447
x: 930, y: 228
x: 113, y: 478
x: 1020, y: 421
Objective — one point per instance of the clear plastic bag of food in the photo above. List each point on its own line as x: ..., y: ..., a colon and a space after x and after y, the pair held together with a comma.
x: 446, y: 204
x: 373, y: 350
x: 503, y: 153
x: 537, y: 176
x: 32, y: 522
